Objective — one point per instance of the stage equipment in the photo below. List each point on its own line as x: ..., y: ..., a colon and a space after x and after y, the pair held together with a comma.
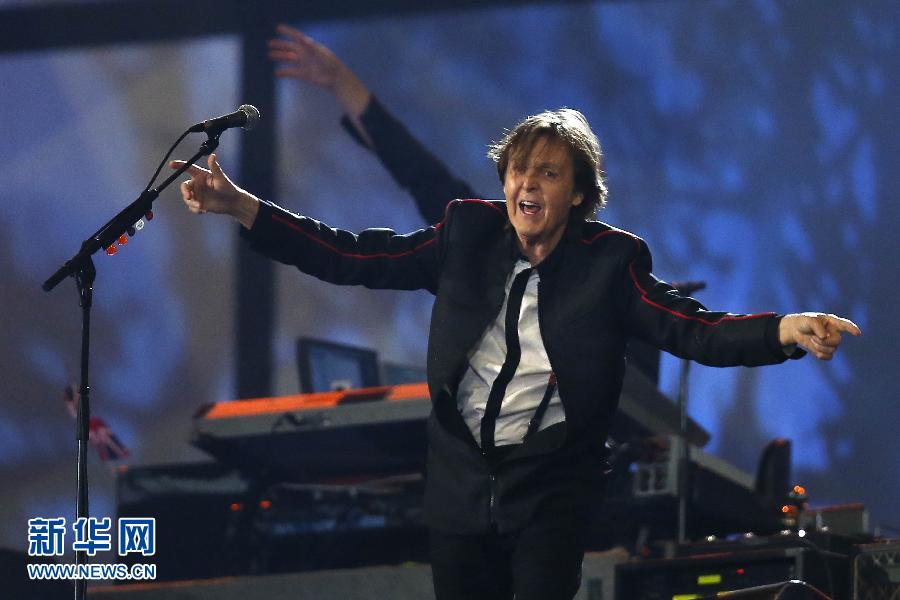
x: 212, y: 521
x: 842, y: 519
x: 308, y: 437
x: 656, y: 474
x: 790, y: 590
x: 199, y: 527
x: 308, y: 527
x: 773, y: 472
x: 397, y: 582
x: 706, y: 575
x: 876, y: 571
x: 642, y: 495
x: 396, y: 373
x: 328, y: 366
x: 378, y: 430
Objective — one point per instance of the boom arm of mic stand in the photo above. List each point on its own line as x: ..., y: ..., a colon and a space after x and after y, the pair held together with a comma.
x: 119, y: 224
x: 81, y: 266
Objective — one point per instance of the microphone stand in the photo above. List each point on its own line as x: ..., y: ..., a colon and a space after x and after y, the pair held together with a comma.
x: 81, y: 267
x: 684, y: 457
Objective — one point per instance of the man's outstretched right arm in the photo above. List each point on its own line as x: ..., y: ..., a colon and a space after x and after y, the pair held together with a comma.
x: 375, y: 258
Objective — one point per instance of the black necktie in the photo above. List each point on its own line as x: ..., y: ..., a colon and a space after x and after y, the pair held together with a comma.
x: 513, y: 354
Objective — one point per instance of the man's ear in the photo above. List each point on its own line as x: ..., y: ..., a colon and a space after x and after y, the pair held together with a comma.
x: 577, y: 199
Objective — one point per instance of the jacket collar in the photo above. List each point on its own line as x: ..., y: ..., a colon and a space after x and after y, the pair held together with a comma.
x: 550, y: 265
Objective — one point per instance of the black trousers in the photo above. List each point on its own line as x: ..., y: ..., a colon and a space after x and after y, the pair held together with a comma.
x: 540, y: 562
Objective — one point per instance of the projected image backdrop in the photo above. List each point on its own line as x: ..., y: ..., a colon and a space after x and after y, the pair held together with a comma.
x: 751, y: 144
x: 90, y: 128
x: 744, y: 141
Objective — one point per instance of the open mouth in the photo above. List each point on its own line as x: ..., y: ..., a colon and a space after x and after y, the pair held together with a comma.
x: 529, y: 208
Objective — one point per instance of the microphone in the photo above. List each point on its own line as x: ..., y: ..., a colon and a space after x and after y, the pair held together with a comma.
x: 687, y: 288
x: 246, y: 117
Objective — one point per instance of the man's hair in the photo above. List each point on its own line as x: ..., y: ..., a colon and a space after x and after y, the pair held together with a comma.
x: 570, y: 127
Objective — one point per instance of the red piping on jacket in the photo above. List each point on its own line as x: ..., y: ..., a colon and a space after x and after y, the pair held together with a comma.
x: 278, y: 218
x: 647, y: 300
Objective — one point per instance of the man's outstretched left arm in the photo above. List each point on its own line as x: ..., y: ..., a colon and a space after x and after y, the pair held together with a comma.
x: 684, y: 327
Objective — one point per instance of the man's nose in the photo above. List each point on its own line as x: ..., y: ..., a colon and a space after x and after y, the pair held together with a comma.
x: 529, y: 180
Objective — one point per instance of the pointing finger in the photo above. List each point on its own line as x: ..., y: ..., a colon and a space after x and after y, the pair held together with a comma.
x: 842, y: 324
x: 193, y: 170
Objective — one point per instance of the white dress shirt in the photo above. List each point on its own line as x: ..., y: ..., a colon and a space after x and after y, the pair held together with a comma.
x: 529, y: 383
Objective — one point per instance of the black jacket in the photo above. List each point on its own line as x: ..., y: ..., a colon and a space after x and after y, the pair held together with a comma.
x: 410, y: 163
x: 596, y: 290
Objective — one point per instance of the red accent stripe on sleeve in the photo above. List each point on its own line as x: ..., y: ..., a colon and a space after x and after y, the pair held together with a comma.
x: 278, y: 218
x: 675, y: 313
x: 284, y: 221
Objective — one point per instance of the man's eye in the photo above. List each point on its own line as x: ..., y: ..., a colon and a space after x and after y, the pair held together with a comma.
x: 550, y: 174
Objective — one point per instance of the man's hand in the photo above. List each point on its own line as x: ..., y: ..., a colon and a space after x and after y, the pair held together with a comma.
x: 212, y: 191
x: 817, y: 333
x: 308, y: 60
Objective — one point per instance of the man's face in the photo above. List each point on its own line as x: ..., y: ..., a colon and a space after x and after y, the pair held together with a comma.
x: 540, y: 189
